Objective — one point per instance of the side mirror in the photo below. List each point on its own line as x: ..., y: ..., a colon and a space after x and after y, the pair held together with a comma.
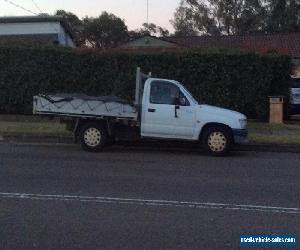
x: 182, y: 101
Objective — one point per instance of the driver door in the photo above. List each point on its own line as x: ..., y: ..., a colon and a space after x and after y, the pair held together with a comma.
x: 160, y: 117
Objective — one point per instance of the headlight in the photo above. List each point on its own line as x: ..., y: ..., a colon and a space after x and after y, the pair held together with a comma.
x: 243, y: 123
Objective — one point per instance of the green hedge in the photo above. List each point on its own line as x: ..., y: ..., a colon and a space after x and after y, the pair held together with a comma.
x: 235, y: 80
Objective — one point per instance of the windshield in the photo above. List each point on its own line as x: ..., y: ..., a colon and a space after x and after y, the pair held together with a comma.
x: 189, y: 95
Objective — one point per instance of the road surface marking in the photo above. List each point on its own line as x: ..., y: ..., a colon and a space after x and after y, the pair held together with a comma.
x: 143, y: 202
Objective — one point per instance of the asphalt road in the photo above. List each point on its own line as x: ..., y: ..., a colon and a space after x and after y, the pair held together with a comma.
x: 59, y: 197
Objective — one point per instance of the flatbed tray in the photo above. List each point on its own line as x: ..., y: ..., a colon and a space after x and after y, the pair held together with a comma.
x: 79, y: 105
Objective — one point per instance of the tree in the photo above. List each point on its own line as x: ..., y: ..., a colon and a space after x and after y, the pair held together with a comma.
x: 150, y: 29
x: 74, y: 22
x: 183, y: 21
x: 105, y: 31
x: 215, y: 17
x: 284, y: 16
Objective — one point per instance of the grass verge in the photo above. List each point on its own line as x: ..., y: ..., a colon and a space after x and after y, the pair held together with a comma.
x: 272, y: 139
x: 259, y: 133
x: 264, y: 133
x: 33, y: 129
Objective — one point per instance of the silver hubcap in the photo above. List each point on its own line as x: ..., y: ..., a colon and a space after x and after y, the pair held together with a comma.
x: 92, y: 137
x: 217, y: 141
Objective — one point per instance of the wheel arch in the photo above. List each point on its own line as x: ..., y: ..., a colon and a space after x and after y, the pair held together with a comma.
x: 212, y: 124
x: 82, y: 122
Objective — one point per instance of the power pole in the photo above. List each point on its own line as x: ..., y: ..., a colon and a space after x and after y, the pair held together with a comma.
x: 148, y: 15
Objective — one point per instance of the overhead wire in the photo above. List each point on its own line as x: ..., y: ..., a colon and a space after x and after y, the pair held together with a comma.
x: 20, y: 7
x: 36, y: 6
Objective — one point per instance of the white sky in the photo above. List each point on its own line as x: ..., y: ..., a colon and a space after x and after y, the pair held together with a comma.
x: 134, y: 12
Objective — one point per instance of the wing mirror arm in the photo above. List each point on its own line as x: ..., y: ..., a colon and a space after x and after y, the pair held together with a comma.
x: 177, y: 106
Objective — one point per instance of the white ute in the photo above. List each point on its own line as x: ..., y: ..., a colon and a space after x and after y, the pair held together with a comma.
x: 163, y: 110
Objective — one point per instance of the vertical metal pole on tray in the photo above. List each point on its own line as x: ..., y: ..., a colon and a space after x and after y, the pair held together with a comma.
x: 137, y: 86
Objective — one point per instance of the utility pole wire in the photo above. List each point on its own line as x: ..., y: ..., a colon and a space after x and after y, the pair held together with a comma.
x: 20, y: 7
x: 36, y: 6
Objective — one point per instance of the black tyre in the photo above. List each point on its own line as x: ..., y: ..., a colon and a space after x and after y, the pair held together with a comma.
x: 93, y: 137
x: 217, y: 140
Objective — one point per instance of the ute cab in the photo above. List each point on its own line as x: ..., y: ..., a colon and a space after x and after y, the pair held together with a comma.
x: 169, y: 111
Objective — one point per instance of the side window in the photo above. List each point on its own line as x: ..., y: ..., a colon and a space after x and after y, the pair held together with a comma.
x: 163, y: 93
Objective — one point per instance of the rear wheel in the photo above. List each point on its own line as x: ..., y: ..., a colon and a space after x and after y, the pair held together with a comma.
x: 93, y: 137
x: 217, y: 140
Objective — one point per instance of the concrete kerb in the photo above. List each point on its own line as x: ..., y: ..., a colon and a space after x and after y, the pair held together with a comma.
x: 37, y: 139
x: 149, y: 144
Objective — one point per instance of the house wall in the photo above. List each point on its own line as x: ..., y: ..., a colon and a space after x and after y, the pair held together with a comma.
x: 70, y: 42
x: 29, y: 28
x: 37, y: 28
x: 64, y: 38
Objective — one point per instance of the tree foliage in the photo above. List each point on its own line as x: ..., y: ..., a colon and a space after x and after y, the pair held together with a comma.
x: 150, y: 29
x: 215, y: 17
x: 105, y: 31
x: 74, y: 22
x: 284, y: 16
x: 183, y: 21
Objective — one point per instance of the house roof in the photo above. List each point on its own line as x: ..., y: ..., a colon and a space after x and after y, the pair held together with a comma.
x: 148, y: 42
x: 288, y: 43
x: 39, y: 19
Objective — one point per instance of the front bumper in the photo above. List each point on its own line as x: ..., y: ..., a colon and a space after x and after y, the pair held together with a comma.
x: 240, y: 136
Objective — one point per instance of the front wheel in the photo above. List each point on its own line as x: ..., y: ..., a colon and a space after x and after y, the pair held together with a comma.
x: 93, y: 137
x: 217, y: 140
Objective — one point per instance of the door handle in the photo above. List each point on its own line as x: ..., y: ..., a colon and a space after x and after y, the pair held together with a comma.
x: 151, y: 110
